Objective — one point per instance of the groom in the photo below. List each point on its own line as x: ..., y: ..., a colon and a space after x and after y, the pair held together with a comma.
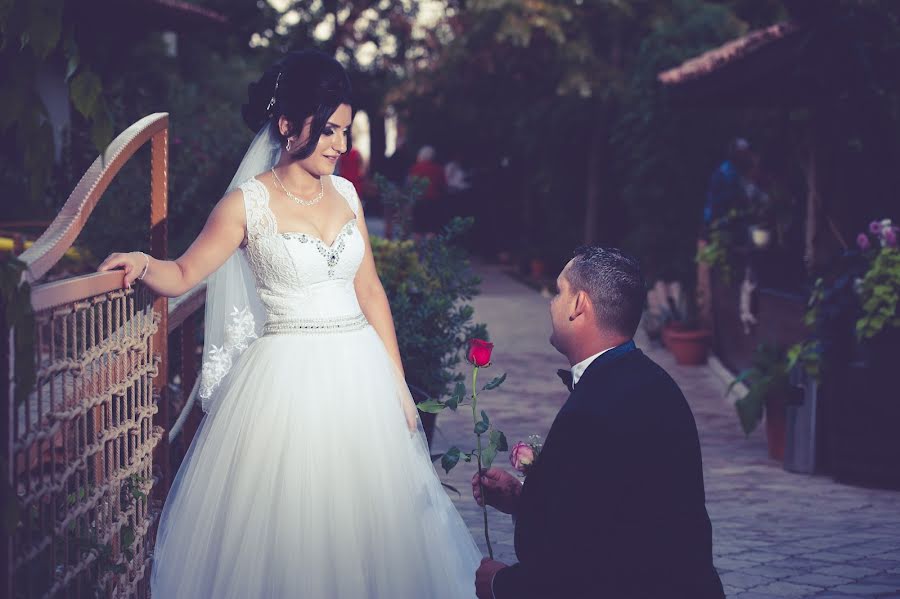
x: 614, y: 506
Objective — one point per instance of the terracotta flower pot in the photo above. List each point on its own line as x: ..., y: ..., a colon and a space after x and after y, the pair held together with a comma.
x: 689, y: 346
x: 667, y: 328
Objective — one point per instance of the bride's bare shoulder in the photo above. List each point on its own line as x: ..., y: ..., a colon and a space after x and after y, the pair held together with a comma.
x: 230, y: 207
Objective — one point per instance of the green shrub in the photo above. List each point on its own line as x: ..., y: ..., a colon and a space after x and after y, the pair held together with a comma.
x: 429, y: 284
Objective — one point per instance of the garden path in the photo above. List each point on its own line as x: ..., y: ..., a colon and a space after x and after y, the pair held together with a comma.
x: 776, y: 534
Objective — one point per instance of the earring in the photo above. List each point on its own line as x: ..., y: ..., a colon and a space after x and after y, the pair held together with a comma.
x: 288, y: 146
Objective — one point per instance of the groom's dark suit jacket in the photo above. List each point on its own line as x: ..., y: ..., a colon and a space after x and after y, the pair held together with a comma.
x: 614, y: 506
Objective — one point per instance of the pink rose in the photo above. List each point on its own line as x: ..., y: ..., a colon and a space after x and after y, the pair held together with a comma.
x: 890, y: 237
x: 521, y: 456
x: 862, y: 240
x: 875, y: 227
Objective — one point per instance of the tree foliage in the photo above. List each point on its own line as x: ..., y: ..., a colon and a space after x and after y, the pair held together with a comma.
x: 36, y: 39
x: 558, y: 106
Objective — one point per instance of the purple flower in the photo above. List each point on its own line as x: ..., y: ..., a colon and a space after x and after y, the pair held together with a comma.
x: 875, y: 227
x: 862, y: 240
x: 890, y: 237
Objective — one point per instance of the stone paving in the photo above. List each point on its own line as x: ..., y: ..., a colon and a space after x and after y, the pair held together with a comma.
x: 776, y: 534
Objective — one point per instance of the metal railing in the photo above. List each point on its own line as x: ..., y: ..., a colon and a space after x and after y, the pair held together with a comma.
x: 88, y: 456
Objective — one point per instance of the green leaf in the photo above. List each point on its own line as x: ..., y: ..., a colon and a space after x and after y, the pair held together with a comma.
x: 740, y: 378
x: 452, y: 403
x: 750, y: 411
x: 459, y: 393
x: 488, y: 455
x: 101, y: 130
x: 481, y: 428
x: 496, y: 382
x: 44, y: 26
x: 452, y: 488
x: 84, y: 90
x: 485, y: 419
x: 450, y: 459
x: 431, y: 406
x: 499, y: 439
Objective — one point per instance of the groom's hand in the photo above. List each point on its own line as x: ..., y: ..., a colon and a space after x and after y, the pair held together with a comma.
x: 501, y: 490
x: 484, y: 578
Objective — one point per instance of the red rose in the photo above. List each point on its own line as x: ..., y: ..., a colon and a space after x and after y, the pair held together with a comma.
x: 479, y: 352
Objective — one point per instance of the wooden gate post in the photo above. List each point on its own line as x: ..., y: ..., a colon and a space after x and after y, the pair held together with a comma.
x: 159, y: 193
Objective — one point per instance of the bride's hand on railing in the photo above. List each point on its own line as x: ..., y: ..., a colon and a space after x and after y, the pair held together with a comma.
x: 135, y: 264
x: 219, y: 239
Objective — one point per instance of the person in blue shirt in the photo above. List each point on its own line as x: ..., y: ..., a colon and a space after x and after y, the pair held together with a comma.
x: 727, y: 185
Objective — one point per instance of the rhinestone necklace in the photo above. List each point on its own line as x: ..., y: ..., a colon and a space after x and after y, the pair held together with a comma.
x: 315, y: 200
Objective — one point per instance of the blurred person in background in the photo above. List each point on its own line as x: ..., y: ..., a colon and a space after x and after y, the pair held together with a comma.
x: 427, y: 213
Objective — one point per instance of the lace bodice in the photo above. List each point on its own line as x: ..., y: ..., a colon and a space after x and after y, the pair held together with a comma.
x: 298, y: 275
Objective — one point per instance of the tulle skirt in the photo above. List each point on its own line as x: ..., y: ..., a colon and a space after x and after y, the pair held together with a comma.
x: 304, y: 481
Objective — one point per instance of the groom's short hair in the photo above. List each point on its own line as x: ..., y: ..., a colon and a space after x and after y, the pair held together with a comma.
x: 613, y: 281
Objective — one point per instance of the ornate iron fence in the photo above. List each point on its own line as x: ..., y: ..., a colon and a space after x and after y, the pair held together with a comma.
x: 86, y: 455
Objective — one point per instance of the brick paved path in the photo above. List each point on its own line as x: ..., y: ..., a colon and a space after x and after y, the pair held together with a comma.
x: 776, y: 534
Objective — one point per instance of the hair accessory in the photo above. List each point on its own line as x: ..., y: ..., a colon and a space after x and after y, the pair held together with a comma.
x: 272, y: 101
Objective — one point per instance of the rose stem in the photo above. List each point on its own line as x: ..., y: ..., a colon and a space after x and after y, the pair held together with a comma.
x: 487, y: 537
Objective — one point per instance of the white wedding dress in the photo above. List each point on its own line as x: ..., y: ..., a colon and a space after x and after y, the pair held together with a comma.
x: 304, y: 479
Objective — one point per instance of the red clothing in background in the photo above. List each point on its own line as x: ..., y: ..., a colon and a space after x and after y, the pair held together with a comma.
x: 434, y: 172
x: 351, y: 169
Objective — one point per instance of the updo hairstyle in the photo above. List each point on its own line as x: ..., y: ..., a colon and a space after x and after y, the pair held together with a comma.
x: 309, y: 84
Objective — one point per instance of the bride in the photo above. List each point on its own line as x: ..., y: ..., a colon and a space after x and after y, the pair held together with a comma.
x: 309, y: 476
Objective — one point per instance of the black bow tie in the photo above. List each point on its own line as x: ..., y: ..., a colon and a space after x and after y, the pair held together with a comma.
x: 566, y: 377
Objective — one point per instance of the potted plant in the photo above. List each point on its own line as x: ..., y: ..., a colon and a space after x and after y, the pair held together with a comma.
x: 855, y: 340
x: 682, y: 334
x: 769, y: 393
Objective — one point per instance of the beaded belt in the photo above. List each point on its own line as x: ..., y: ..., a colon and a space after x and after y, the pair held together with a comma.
x: 343, y: 324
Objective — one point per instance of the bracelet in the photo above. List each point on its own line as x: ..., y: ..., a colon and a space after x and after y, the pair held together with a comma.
x: 146, y: 267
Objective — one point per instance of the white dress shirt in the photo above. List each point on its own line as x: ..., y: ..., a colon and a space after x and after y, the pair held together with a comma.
x: 579, y: 368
